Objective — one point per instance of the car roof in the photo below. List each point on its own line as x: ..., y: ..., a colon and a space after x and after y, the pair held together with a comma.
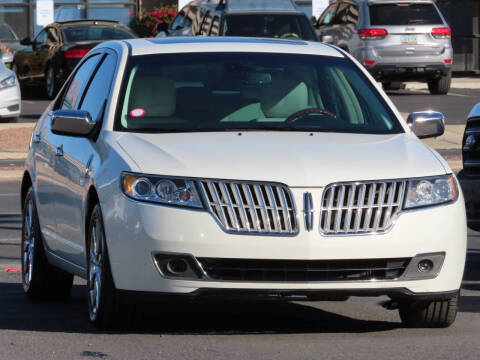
x: 243, y: 6
x: 88, y: 22
x: 229, y: 44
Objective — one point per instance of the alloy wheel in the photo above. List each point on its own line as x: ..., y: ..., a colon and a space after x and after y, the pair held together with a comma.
x: 95, y: 267
x: 28, y: 245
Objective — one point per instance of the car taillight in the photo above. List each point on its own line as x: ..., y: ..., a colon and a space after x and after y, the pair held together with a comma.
x: 441, y: 33
x: 76, y: 53
x: 447, y: 61
x: 372, y: 34
x: 369, y: 62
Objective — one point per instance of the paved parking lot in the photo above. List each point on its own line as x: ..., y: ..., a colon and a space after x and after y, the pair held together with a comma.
x: 357, y: 329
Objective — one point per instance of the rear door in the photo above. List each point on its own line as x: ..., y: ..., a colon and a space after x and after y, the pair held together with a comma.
x: 410, y: 27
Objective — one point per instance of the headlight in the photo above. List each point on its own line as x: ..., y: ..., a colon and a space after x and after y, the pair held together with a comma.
x: 431, y: 191
x: 162, y: 190
x: 8, y: 82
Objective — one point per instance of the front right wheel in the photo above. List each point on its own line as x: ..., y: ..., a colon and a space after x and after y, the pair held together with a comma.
x: 429, y: 314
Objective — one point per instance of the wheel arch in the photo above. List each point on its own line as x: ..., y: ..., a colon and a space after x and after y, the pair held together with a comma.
x: 92, y: 200
x: 25, y: 185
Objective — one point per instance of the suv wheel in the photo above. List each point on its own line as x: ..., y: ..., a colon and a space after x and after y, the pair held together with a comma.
x: 50, y: 83
x: 106, y: 307
x: 440, y: 86
x: 429, y: 314
x: 40, y: 279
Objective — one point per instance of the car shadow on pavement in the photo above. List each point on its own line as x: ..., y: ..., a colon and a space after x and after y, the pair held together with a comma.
x: 180, y: 317
x: 10, y: 222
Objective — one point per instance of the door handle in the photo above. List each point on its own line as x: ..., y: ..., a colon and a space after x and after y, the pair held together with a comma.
x: 59, y: 150
x: 36, y: 139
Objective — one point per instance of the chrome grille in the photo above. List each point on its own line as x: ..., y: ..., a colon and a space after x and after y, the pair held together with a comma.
x: 361, y: 207
x: 252, y: 208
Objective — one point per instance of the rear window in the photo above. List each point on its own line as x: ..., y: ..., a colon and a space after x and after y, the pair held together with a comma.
x: 269, y: 25
x: 404, y: 14
x: 95, y: 33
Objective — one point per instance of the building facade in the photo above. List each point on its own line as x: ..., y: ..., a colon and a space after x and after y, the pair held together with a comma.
x: 20, y: 15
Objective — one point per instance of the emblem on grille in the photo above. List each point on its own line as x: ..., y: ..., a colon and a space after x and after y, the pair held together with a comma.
x: 308, y: 211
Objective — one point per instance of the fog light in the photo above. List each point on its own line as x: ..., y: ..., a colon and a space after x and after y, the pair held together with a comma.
x: 177, y: 266
x: 425, y: 266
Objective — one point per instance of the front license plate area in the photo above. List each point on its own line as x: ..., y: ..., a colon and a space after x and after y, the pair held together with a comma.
x: 408, y: 39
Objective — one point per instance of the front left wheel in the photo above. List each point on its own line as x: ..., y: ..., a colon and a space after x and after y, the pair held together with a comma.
x: 41, y: 280
x: 50, y: 82
x: 106, y: 306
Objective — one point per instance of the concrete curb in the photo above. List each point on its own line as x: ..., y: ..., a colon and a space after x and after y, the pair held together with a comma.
x: 457, y: 83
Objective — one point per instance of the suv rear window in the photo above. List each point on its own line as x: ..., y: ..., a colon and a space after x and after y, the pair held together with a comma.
x: 269, y: 25
x: 404, y: 14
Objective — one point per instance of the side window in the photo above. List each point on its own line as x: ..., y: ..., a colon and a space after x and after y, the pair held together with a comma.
x: 342, y: 12
x: 328, y: 15
x: 198, y: 14
x: 78, y: 83
x: 353, y: 16
x: 207, y: 22
x: 215, y: 28
x: 41, y: 37
x: 99, y: 88
x: 178, y: 22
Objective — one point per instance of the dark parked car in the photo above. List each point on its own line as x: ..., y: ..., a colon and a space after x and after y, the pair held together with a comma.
x: 261, y: 18
x: 469, y: 177
x: 52, y: 55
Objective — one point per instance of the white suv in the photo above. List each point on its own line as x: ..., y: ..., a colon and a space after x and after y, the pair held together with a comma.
x: 198, y: 166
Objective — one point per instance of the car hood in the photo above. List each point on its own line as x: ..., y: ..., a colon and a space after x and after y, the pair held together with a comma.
x: 295, y: 158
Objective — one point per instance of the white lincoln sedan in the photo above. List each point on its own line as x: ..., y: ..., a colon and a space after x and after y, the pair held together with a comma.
x: 204, y: 166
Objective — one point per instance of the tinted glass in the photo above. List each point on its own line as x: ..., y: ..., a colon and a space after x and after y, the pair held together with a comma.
x: 95, y: 33
x: 99, y: 88
x: 271, y: 25
x: 214, y: 29
x: 328, y: 15
x: 177, y: 23
x: 404, y: 14
x: 79, y: 82
x: 207, y: 22
x: 347, y: 14
x: 250, y: 91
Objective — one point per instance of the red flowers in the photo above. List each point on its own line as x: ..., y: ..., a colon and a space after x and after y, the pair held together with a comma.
x: 145, y: 26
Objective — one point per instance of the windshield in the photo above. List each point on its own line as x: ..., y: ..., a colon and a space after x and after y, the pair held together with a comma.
x: 271, y: 26
x: 250, y: 91
x: 95, y: 32
x: 404, y: 14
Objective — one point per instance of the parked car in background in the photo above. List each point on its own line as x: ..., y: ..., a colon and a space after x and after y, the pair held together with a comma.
x: 469, y: 176
x: 9, y: 38
x: 396, y: 41
x: 237, y: 166
x: 48, y: 59
x: 264, y: 18
x: 10, y: 96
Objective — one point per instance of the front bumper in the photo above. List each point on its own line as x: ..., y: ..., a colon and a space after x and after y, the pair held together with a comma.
x: 10, y: 102
x: 135, y: 231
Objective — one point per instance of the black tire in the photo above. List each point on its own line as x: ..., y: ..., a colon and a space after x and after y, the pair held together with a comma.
x: 429, y: 314
x: 440, y: 86
x: 107, y: 308
x: 50, y: 82
x: 393, y: 85
x: 41, y: 280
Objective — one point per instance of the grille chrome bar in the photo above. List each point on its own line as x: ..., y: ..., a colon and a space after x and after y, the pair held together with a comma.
x: 251, y: 208
x: 361, y: 207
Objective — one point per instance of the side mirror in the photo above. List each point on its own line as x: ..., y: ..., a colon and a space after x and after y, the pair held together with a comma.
x: 161, y: 34
x: 72, y: 123
x: 26, y: 41
x: 313, y: 20
x: 426, y: 124
x: 161, y: 27
x: 326, y: 39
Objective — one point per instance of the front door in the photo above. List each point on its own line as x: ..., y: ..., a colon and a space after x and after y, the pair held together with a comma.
x: 78, y: 162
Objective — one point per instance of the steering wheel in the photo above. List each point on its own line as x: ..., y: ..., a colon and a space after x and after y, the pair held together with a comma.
x: 299, y: 114
x: 289, y: 35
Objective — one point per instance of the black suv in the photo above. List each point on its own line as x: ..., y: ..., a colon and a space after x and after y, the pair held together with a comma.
x: 262, y: 18
x: 469, y: 177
